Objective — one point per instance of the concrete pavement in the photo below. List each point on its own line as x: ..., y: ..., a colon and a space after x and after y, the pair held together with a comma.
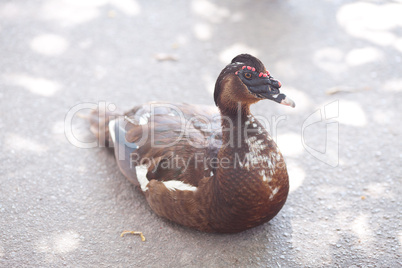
x: 66, y: 206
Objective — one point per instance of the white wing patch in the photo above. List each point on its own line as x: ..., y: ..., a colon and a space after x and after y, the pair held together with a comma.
x: 111, y: 130
x: 143, y: 120
x: 274, y: 192
x: 258, y: 155
x: 142, y: 177
x: 278, y: 157
x: 255, y: 156
x: 264, y: 176
x: 179, y: 185
x: 171, y: 185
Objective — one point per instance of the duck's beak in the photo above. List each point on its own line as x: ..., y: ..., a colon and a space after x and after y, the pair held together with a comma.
x: 270, y: 90
x: 282, y: 99
x: 274, y: 94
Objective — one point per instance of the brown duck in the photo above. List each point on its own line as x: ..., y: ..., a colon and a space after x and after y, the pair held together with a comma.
x: 215, y: 170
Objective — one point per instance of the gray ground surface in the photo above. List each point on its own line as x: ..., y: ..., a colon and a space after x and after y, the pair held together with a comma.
x: 63, y: 205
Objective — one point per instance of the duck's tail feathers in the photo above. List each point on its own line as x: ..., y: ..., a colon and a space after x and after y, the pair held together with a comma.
x: 99, y: 125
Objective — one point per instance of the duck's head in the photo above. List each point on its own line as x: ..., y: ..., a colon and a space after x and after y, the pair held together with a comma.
x: 245, y: 80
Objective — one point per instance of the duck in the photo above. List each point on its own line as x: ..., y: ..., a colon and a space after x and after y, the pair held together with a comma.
x: 210, y: 168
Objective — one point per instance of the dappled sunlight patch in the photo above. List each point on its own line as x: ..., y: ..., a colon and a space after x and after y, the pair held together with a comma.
x: 302, y: 99
x: 49, y: 44
x: 66, y: 242
x: 128, y: 7
x: 351, y: 113
x: 296, y: 175
x: 18, y: 143
x: 398, y: 44
x: 330, y: 59
x: 370, y: 21
x: 400, y: 240
x: 343, y: 216
x: 37, y: 85
x: 209, y: 11
x: 378, y: 190
x: 328, y: 196
x: 209, y: 82
x: 384, y: 117
x: 14, y: 10
x: 238, y: 48
x: 361, y: 227
x: 58, y: 127
x: 363, y: 55
x: 393, y: 85
x: 290, y: 144
x: 180, y: 41
x: 86, y: 3
x: 303, y: 229
x: 71, y: 12
x: 358, y: 227
x: 335, y: 61
x: 203, y: 31
x: 59, y: 243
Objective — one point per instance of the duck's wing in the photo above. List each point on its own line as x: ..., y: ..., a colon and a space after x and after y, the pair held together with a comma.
x: 174, y: 141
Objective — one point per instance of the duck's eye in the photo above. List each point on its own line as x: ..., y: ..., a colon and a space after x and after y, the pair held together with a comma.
x: 248, y: 75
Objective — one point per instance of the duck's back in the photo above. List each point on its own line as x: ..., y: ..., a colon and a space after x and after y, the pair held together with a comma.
x: 173, y: 141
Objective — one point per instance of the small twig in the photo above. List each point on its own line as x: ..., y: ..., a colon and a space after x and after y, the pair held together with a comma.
x: 346, y: 89
x: 165, y: 57
x: 134, y: 233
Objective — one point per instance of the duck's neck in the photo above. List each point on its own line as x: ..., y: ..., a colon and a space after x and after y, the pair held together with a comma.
x: 243, y: 140
x: 234, y: 122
